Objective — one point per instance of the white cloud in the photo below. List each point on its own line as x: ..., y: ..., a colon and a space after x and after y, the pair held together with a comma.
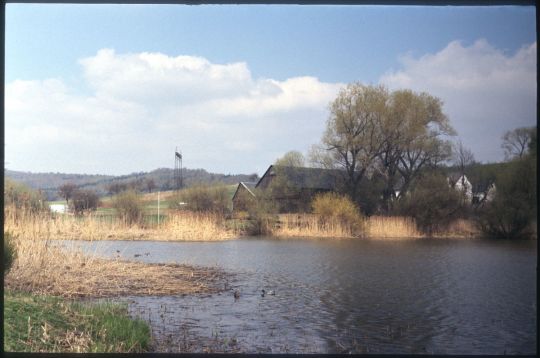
x: 143, y: 105
x: 486, y: 92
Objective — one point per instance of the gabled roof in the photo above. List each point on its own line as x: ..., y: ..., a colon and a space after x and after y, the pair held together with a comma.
x: 247, y: 185
x: 307, y: 178
x: 454, y: 177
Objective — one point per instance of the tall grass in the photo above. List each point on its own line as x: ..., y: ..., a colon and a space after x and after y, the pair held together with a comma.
x: 176, y: 226
x: 373, y: 227
x: 189, y: 226
x: 44, y: 268
x: 311, y: 225
x: 392, y: 227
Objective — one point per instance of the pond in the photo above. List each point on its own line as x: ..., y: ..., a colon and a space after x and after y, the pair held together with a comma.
x: 338, y: 296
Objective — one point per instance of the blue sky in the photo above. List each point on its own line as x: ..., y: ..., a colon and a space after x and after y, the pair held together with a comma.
x: 296, y: 49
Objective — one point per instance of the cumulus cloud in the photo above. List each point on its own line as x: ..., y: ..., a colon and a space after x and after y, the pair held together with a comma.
x: 141, y: 105
x: 485, y: 90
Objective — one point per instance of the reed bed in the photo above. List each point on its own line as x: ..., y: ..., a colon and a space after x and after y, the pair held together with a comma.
x: 188, y: 226
x: 43, y: 267
x: 373, y: 227
x: 310, y: 225
x: 460, y: 228
x: 177, y: 226
x: 391, y: 227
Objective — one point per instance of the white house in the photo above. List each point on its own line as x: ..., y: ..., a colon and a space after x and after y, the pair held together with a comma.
x: 462, y: 184
x: 58, y: 208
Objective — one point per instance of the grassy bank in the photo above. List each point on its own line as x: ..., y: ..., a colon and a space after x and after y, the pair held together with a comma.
x: 51, y: 324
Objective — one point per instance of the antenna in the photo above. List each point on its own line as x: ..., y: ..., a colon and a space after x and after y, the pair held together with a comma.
x: 178, y: 169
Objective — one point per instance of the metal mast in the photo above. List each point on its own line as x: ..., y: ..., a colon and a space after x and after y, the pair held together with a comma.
x: 178, y: 169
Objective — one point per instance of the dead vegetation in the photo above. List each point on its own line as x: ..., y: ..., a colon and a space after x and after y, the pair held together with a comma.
x: 373, y: 227
x: 178, y: 226
x: 43, y: 268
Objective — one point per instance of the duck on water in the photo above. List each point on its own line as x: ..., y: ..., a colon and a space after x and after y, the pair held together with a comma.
x: 271, y: 292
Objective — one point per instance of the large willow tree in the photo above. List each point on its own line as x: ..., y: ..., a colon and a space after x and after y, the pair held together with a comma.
x: 395, y: 134
x: 352, y: 139
x: 412, y: 134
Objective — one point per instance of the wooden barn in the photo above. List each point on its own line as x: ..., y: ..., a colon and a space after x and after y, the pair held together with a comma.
x: 243, y: 196
x: 292, y: 188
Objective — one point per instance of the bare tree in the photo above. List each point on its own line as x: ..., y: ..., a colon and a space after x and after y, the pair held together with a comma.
x: 150, y: 185
x: 66, y: 191
x: 83, y: 201
x: 116, y: 188
x: 462, y: 157
x: 516, y: 142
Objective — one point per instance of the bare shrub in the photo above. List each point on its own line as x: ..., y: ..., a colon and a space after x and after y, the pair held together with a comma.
x: 22, y: 197
x: 334, y: 207
x: 84, y: 201
x: 129, y: 206
x: 203, y: 198
x: 432, y: 203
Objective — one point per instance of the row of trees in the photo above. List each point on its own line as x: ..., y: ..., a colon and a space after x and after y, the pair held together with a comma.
x: 395, y: 148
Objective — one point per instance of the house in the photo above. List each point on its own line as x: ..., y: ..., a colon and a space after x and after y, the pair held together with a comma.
x: 295, y: 186
x: 243, y: 195
x: 483, y: 193
x: 462, y: 184
x: 476, y: 194
x: 58, y: 208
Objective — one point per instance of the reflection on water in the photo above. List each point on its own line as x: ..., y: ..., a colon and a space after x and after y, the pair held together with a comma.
x: 417, y: 296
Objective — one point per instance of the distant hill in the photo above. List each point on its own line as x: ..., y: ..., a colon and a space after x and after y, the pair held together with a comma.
x: 163, y: 179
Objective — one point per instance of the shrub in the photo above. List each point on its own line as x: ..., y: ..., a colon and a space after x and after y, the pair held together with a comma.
x: 129, y: 206
x: 432, y: 203
x: 203, y: 198
x: 22, y: 197
x: 83, y: 201
x: 9, y: 251
x: 514, y: 207
x: 332, y: 206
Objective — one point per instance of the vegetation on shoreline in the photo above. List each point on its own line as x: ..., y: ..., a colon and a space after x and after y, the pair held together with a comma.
x: 51, y: 324
x: 44, y: 267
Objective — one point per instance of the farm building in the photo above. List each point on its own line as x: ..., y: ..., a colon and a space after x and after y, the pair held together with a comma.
x: 243, y: 195
x: 58, y: 208
x: 293, y: 188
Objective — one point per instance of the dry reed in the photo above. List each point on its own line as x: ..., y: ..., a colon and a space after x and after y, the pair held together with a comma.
x: 460, y: 228
x: 188, y: 226
x: 310, y: 225
x: 41, y: 267
x: 178, y: 226
x: 381, y: 227
x: 374, y: 227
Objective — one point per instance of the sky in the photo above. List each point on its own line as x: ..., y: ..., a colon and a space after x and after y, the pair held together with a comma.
x: 114, y: 89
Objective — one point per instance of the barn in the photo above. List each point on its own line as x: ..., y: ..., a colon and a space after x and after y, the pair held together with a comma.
x: 294, y: 186
x: 243, y: 195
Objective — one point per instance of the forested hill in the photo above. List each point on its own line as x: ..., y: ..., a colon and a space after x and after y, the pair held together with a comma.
x: 162, y: 179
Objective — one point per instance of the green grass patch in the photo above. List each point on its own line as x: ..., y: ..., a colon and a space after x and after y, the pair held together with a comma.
x: 51, y: 324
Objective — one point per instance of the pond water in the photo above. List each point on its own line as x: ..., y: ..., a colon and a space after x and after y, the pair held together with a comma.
x: 337, y: 296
